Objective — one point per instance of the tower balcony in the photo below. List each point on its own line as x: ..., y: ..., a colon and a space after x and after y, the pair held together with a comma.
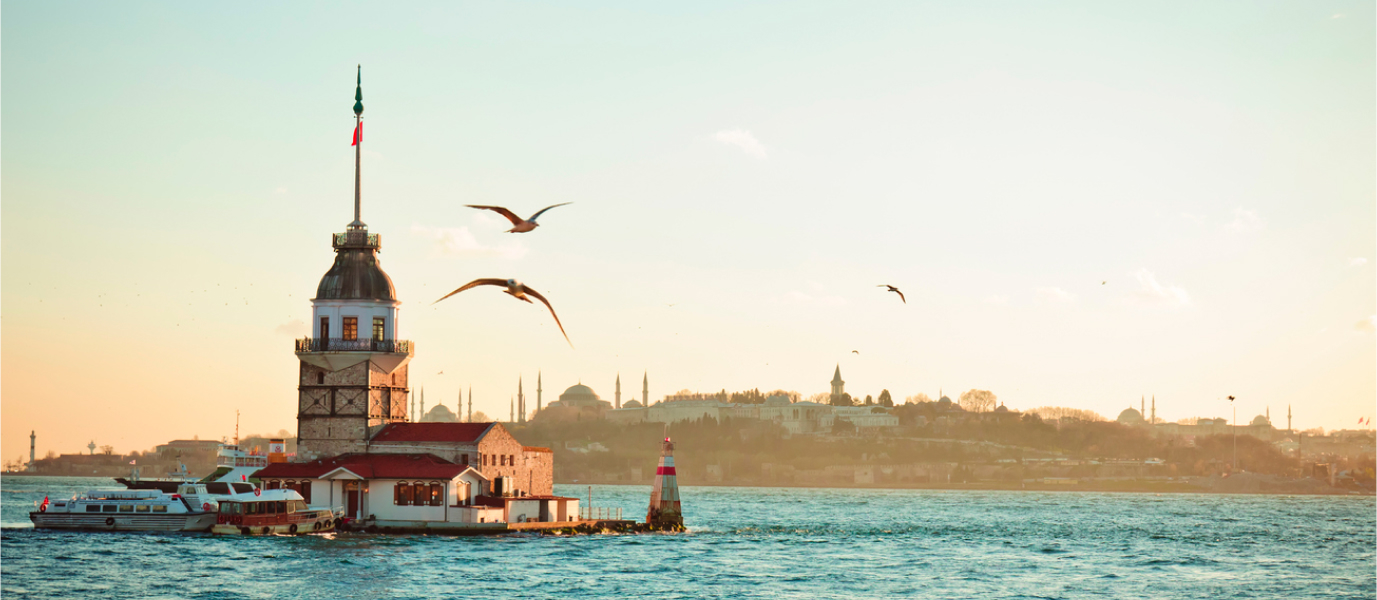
x: 356, y: 238
x: 335, y: 353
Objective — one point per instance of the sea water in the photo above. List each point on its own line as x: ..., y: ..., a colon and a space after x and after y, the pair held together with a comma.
x: 750, y: 543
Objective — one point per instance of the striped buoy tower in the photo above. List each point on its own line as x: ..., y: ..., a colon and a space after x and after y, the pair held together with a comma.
x: 664, y: 513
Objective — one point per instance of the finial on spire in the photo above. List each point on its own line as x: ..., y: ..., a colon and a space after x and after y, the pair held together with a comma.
x: 358, y: 94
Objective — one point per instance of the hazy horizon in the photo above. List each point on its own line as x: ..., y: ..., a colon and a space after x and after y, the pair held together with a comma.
x: 1084, y: 204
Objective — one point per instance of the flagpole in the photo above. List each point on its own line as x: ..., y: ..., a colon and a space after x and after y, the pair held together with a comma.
x: 358, y: 152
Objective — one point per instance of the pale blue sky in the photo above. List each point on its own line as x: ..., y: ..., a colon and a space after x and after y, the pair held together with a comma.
x: 172, y: 171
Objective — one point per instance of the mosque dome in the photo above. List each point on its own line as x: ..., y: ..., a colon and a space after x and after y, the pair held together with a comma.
x: 632, y: 404
x: 1261, y: 421
x: 1002, y: 409
x: 1130, y: 416
x: 439, y: 414
x: 356, y: 275
x: 944, y: 400
x: 581, y: 395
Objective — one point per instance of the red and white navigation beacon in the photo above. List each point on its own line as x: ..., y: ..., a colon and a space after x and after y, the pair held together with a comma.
x: 664, y: 511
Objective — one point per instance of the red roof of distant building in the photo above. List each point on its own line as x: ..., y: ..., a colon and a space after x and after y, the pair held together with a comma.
x: 369, y: 466
x: 535, y: 449
x: 462, y: 433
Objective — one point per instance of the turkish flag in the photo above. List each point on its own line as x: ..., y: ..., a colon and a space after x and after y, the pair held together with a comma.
x: 358, y: 134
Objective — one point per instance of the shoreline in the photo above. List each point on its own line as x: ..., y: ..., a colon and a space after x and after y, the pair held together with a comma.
x: 1126, y: 487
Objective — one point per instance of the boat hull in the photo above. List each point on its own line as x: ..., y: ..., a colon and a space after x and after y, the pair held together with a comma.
x: 321, y: 526
x: 122, y: 522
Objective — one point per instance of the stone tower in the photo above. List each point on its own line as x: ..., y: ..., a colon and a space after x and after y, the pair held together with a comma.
x: 838, y: 386
x: 353, y: 367
x: 645, y: 389
x: 617, y: 403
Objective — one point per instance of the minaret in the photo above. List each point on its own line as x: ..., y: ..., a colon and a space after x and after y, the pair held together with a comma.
x: 1154, y: 410
x: 538, y: 391
x: 33, y: 443
x: 512, y: 419
x: 645, y: 389
x: 459, y: 413
x: 1142, y: 407
x: 353, y: 372
x: 470, y: 404
x: 1288, y: 417
x: 422, y: 415
x: 412, y: 398
x: 618, y: 396
x: 520, y: 401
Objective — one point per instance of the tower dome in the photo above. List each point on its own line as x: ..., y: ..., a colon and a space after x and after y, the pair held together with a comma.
x: 1261, y: 421
x: 356, y: 274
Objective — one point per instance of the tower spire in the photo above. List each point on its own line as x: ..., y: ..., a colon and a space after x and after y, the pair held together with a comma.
x: 645, y: 389
x: 618, y: 397
x: 470, y: 404
x: 538, y: 391
x: 358, y: 153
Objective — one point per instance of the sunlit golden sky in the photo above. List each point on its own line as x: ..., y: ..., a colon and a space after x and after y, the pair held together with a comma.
x: 1085, y: 203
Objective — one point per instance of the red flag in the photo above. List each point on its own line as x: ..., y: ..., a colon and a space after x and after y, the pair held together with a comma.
x: 45, y: 501
x: 358, y: 134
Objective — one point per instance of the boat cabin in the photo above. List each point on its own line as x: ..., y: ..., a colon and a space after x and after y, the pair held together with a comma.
x: 276, y: 510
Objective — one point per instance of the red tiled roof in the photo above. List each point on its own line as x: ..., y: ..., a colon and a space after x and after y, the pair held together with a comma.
x: 535, y: 449
x: 463, y: 433
x: 369, y: 466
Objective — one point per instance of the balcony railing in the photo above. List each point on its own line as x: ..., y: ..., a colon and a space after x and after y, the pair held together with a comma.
x: 599, y: 513
x: 356, y: 239
x: 365, y: 345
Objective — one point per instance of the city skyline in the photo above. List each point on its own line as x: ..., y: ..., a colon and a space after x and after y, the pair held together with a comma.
x: 1078, y: 213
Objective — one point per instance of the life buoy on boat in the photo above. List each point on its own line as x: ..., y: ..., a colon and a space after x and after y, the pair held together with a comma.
x: 110, y: 521
x: 206, y: 507
x: 257, y: 492
x: 43, y: 508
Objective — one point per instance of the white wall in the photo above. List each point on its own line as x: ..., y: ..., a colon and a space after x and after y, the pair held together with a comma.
x: 365, y: 310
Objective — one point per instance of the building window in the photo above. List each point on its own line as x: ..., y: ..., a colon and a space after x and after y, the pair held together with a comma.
x: 351, y: 328
x: 404, y: 494
x: 325, y: 328
x: 437, y: 494
x: 320, y: 378
x: 378, y: 323
x: 465, y: 459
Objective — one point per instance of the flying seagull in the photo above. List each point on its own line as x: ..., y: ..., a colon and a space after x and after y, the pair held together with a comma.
x: 520, y: 225
x: 895, y: 290
x: 858, y: 351
x: 517, y: 290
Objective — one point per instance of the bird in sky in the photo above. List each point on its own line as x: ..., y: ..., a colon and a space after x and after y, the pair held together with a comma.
x: 440, y: 373
x: 1231, y: 398
x: 895, y: 290
x: 517, y: 290
x: 519, y: 225
x: 858, y: 351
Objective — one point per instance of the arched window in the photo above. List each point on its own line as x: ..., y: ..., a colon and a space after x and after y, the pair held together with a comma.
x: 402, y: 493
x: 274, y: 484
x: 437, y: 494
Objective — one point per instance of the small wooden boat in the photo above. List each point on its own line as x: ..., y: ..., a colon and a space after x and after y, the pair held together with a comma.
x: 272, y: 511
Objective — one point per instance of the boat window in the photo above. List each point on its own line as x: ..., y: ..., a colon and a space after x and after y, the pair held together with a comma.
x: 281, y: 506
x: 297, y: 506
x: 92, y: 508
x: 141, y: 508
x: 218, y: 488
x: 242, y: 488
x: 126, y: 508
x: 437, y: 494
x: 108, y: 508
x: 160, y: 508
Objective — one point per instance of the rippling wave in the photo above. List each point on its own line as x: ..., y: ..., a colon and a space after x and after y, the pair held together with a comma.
x: 750, y: 543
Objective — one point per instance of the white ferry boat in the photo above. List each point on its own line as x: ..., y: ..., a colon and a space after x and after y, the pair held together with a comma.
x: 231, y: 464
x: 192, y: 508
x: 273, y: 511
